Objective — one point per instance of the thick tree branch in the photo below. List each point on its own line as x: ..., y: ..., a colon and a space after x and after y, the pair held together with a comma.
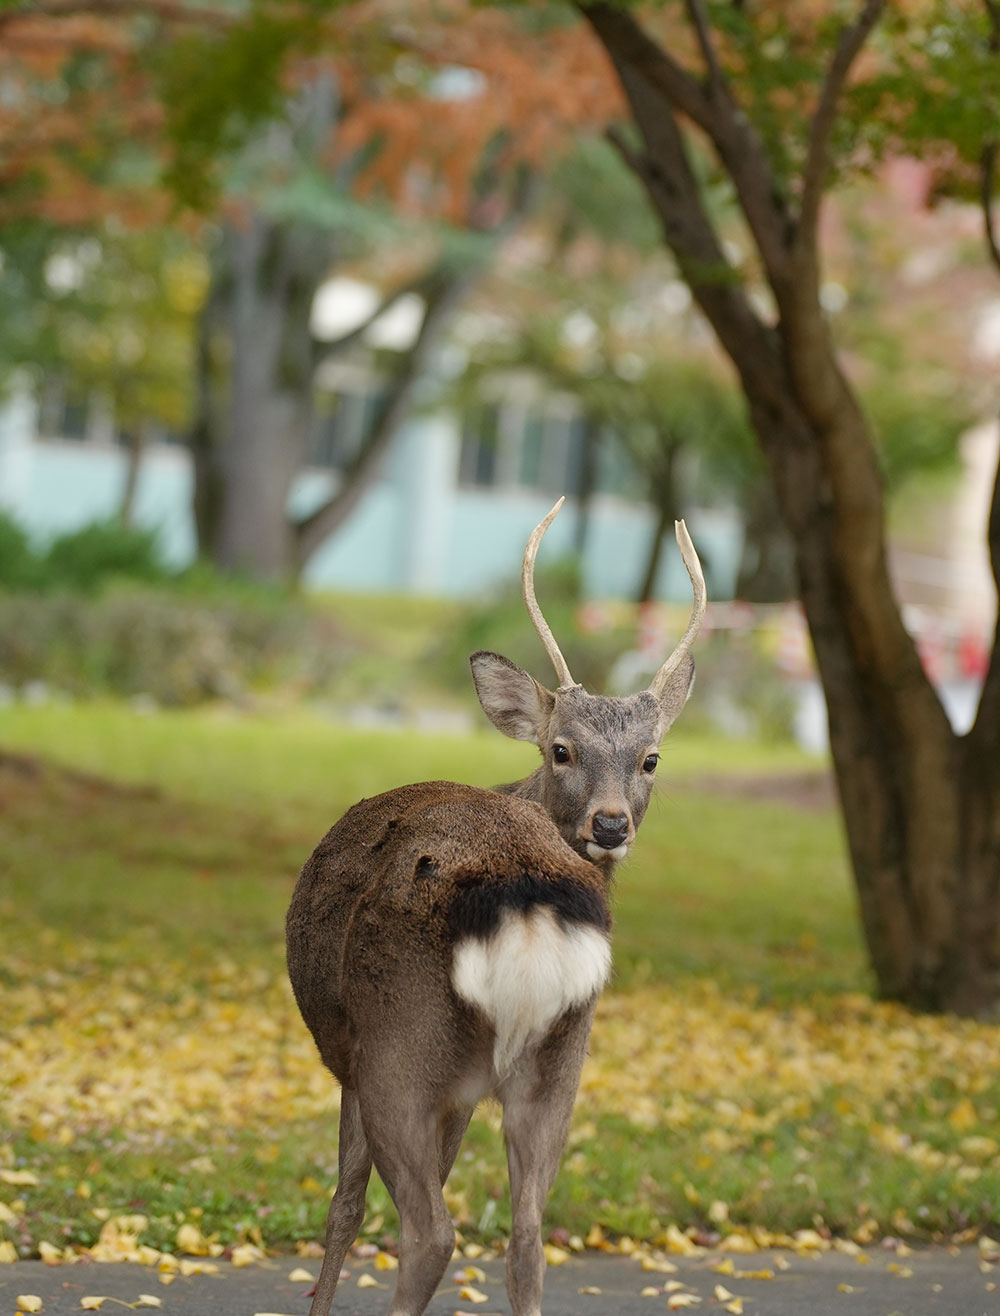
x: 987, y: 186
x: 817, y: 165
x: 715, y: 111
x: 664, y: 169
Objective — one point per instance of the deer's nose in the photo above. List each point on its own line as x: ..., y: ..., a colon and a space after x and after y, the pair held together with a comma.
x: 610, y: 830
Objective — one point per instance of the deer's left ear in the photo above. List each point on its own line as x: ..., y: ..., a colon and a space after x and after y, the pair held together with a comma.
x: 675, y: 695
x: 513, y: 701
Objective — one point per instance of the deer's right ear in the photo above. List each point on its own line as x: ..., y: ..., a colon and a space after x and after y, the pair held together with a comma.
x: 513, y: 701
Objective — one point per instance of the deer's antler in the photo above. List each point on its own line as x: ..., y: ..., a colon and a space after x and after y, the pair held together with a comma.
x: 566, y: 681
x: 662, y: 677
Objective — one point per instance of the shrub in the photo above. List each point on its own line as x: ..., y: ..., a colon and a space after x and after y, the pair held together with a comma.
x: 178, y: 650
x: 19, y: 565
x: 86, y: 559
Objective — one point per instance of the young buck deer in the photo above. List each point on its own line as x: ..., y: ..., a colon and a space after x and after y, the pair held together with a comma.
x: 447, y: 943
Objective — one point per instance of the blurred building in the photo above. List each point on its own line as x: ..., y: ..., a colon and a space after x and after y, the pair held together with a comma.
x: 448, y: 515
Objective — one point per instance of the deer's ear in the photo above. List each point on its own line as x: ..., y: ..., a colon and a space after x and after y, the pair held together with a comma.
x: 675, y: 695
x: 513, y: 701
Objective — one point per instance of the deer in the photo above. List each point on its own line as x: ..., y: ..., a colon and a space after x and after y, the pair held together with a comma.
x: 447, y: 944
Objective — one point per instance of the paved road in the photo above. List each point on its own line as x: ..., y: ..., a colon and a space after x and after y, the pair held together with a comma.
x: 930, y: 1282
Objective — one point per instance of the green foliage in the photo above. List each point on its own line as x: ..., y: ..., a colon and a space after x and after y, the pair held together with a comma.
x: 19, y: 565
x: 918, y: 430
x: 173, y: 647
x: 218, y: 87
x: 83, y: 560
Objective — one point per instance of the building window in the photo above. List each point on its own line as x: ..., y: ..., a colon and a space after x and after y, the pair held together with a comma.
x: 542, y: 444
x: 345, y: 418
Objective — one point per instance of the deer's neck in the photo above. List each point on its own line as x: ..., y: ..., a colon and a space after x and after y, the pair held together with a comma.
x: 528, y: 789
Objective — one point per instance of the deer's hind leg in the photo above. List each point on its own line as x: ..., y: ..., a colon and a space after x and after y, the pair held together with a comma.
x: 347, y: 1209
x: 412, y: 1148
x: 537, y: 1104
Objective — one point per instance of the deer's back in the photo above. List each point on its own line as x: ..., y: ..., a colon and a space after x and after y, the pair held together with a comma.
x: 420, y: 897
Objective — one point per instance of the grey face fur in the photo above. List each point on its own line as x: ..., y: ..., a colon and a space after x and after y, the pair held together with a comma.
x: 598, y: 754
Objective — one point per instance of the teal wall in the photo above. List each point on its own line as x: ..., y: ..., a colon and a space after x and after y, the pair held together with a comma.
x: 416, y: 531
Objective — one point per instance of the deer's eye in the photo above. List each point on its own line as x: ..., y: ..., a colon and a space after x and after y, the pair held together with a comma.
x: 560, y: 754
x: 649, y: 762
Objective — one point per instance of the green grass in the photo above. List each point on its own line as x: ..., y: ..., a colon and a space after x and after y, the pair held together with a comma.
x: 154, y: 1061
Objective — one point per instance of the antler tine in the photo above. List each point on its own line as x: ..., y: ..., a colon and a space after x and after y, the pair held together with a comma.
x: 659, y: 681
x: 566, y: 681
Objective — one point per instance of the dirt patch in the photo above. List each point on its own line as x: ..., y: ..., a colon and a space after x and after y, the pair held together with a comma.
x: 813, y: 791
x: 22, y: 771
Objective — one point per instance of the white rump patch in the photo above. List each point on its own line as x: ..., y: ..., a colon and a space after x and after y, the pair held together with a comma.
x: 528, y: 973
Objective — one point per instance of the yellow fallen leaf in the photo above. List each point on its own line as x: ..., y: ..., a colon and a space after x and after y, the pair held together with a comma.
x: 904, y: 1272
x: 680, y: 1243
x: 681, y: 1300
x: 8, y: 1253
x: 963, y: 1116
x: 366, y: 1281
x: 593, y: 1290
x: 754, y: 1274
x: 473, y: 1251
x: 723, y: 1294
x: 29, y: 1302
x: 661, y: 1265
x: 725, y: 1267
x: 20, y: 1177
x: 649, y: 1292
x: 301, y: 1276
x: 148, y: 1300
x: 848, y: 1288
x: 674, y: 1286
x: 555, y: 1256
x: 7, y: 1215
x: 189, y: 1267
x: 738, y: 1243
x: 469, y: 1294
x: 595, y: 1238
x: 470, y: 1275
x: 190, y: 1239
x: 168, y: 1277
x: 92, y: 1303
x: 386, y: 1261
x: 49, y: 1253
x: 245, y: 1254
x: 735, y: 1307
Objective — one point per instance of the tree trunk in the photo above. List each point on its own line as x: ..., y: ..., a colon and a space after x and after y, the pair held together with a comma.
x: 668, y: 510
x: 135, y: 447
x: 254, y: 407
x: 767, y: 563
x: 921, y: 805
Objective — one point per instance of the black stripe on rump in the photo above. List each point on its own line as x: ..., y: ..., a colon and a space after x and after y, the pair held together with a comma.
x: 478, y: 902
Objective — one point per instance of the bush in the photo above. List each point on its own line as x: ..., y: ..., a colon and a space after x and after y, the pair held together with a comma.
x: 19, y: 565
x: 179, y: 651
x: 86, y: 559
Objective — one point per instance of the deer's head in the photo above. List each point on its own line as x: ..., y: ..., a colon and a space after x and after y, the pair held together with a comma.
x: 599, y: 754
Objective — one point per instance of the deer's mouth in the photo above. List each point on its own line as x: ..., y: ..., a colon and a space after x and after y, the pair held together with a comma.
x: 601, y: 854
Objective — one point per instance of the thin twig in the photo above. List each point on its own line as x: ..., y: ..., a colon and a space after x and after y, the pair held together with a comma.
x: 699, y: 21
x: 818, y: 159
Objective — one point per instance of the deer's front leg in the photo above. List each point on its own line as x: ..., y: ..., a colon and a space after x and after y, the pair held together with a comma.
x: 537, y: 1103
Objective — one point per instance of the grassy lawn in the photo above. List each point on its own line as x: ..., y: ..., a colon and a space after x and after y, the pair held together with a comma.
x: 152, y: 1061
